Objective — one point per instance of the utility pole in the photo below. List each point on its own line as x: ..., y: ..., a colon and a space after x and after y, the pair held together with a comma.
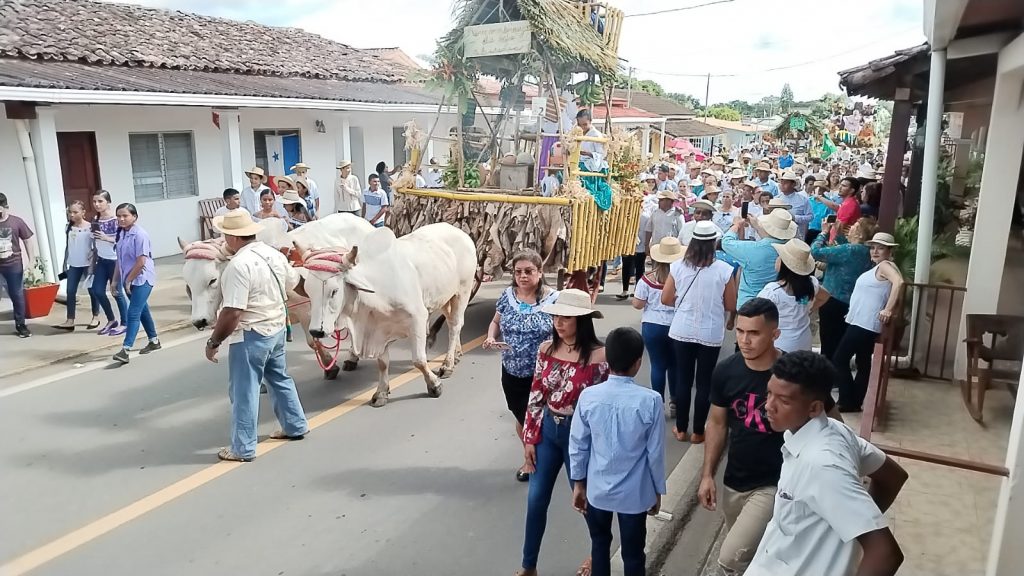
x: 629, y: 88
x: 707, y: 94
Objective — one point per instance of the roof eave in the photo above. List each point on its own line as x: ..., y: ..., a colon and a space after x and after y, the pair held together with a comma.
x: 62, y: 96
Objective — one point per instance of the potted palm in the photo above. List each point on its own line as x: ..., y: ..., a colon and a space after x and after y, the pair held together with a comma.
x: 39, y: 294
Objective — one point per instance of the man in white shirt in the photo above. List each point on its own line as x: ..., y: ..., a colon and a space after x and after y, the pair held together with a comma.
x: 254, y: 321
x: 433, y: 175
x: 822, y: 509
x: 302, y: 171
x: 348, y: 196
x: 251, y: 194
x: 702, y: 210
x: 232, y: 200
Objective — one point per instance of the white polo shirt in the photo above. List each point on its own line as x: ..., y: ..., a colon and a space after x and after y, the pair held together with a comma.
x: 249, y: 285
x: 821, y: 506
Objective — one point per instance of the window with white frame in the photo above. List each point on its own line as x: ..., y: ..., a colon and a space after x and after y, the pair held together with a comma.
x: 163, y: 165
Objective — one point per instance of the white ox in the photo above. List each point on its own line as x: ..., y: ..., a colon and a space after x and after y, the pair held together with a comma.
x: 389, y: 287
x: 205, y: 261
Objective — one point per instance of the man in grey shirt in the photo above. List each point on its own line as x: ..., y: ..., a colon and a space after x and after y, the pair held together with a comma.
x: 800, y: 205
x: 667, y: 220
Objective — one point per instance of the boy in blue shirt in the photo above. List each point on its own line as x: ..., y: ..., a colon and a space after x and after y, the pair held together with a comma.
x: 617, y: 456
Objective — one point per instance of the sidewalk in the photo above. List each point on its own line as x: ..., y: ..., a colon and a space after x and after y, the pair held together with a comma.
x: 169, y: 305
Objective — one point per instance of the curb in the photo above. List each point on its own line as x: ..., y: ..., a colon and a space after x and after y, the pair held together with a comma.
x: 169, y: 328
x: 680, y: 501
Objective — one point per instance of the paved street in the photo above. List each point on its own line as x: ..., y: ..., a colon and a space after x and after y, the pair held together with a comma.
x: 113, y: 471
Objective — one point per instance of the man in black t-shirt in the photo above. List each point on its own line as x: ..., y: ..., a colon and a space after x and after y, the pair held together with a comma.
x: 739, y: 391
x: 739, y: 388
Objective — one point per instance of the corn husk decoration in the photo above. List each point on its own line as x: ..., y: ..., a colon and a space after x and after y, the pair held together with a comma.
x: 415, y: 141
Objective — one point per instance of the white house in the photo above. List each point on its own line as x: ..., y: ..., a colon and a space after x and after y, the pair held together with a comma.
x: 164, y: 108
x: 739, y: 133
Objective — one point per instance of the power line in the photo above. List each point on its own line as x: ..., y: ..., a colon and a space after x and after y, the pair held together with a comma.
x: 666, y: 11
x: 774, y: 69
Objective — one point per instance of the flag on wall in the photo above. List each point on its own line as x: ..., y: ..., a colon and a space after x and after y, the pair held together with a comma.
x: 275, y: 156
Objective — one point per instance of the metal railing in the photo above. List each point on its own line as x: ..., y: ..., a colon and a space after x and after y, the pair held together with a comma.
x: 933, y: 334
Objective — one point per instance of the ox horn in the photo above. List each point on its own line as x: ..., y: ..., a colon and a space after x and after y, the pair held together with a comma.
x: 182, y: 244
x: 350, y: 256
x: 302, y: 250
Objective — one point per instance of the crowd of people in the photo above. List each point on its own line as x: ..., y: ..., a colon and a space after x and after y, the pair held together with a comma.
x: 728, y: 245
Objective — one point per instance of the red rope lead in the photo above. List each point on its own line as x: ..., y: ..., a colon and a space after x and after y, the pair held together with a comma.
x: 334, y: 350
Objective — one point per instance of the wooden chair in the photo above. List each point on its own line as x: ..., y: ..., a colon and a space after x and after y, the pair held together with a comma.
x: 1005, y: 347
x: 207, y: 209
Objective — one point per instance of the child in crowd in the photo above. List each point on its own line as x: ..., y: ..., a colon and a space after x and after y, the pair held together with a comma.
x: 617, y: 456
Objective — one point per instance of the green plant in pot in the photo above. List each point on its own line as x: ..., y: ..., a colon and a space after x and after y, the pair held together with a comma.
x: 39, y: 293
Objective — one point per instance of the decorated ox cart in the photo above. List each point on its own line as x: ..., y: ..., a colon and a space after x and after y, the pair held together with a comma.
x: 494, y: 180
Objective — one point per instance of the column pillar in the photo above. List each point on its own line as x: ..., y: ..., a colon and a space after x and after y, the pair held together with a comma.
x: 1005, y: 554
x: 901, y: 112
x: 51, y: 187
x: 341, y: 125
x: 998, y: 193
x: 231, y: 149
x: 646, y: 146
x: 930, y: 178
x: 662, y: 139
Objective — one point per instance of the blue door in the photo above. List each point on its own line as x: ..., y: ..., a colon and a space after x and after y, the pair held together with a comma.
x: 292, y: 151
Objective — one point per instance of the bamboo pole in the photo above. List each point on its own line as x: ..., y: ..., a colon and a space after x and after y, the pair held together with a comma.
x: 487, y: 197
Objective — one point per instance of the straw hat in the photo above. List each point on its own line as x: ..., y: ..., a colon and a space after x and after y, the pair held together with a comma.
x: 301, y: 180
x: 278, y: 180
x: 347, y: 163
x: 709, y: 172
x: 884, y: 239
x: 572, y: 302
x: 750, y: 184
x: 719, y: 161
x: 796, y: 255
x: 789, y: 175
x: 779, y: 203
x: 667, y: 195
x: 778, y: 224
x: 735, y: 165
x: 668, y: 250
x: 299, y: 166
x: 237, y: 222
x: 706, y: 230
x: 290, y: 197
x: 705, y: 204
x: 257, y: 171
x: 747, y: 156
x: 737, y: 173
x: 693, y: 165
x: 763, y: 166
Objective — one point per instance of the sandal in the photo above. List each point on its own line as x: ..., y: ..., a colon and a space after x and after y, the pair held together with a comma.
x: 623, y: 296
x: 680, y: 436
x: 65, y: 327
x: 227, y: 455
x: 522, y: 476
x: 93, y: 325
x: 280, y: 435
x: 585, y: 568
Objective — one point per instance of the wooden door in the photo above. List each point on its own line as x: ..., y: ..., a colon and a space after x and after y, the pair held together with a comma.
x: 79, y: 167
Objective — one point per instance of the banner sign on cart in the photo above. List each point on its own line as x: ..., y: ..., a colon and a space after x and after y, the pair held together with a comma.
x: 497, y: 39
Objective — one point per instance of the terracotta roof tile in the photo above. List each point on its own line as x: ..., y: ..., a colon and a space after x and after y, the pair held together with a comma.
x: 126, y: 35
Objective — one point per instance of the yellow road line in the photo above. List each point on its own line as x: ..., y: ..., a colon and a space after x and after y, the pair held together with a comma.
x: 56, y: 548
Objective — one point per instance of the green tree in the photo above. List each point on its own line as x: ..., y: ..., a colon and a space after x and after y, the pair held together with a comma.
x: 768, y: 106
x: 743, y: 107
x: 648, y: 86
x: 724, y: 113
x: 786, y: 98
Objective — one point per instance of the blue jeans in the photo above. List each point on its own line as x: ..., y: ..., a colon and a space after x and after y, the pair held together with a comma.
x: 14, y: 277
x: 102, y: 272
x: 75, y: 276
x: 632, y: 534
x: 257, y: 359
x: 662, y: 357
x: 138, y: 313
x: 552, y: 453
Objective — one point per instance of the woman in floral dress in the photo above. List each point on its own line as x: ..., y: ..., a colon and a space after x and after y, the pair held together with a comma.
x: 519, y: 321
x: 567, y: 364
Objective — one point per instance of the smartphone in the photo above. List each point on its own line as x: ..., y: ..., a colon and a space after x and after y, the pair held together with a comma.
x: 744, y: 209
x: 831, y: 219
x: 501, y: 346
x: 95, y: 226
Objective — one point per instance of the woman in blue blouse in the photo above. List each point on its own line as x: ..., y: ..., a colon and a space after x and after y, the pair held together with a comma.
x: 519, y: 320
x: 845, y: 261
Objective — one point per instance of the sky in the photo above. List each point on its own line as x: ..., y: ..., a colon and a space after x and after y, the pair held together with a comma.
x: 737, y: 41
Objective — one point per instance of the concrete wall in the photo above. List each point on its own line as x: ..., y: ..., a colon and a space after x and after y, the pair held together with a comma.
x: 166, y: 220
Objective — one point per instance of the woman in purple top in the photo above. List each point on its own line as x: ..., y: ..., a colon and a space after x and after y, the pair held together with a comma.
x: 137, y: 276
x: 104, y: 233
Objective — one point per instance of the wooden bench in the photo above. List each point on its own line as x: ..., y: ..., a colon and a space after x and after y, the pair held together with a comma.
x: 207, y: 209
